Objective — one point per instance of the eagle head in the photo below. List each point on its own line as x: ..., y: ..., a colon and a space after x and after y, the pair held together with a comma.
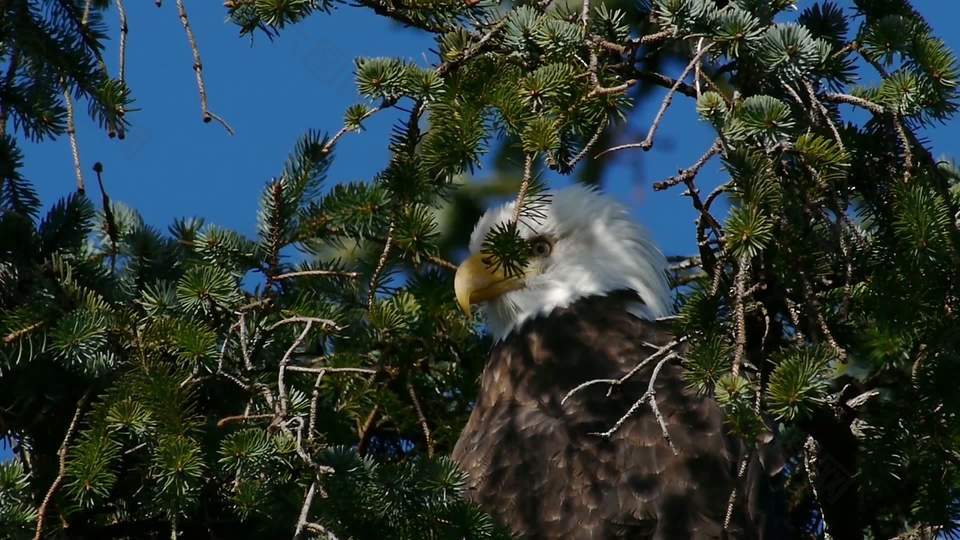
x: 584, y: 245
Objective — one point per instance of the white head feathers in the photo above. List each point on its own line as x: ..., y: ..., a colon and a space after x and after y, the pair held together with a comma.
x: 597, y: 249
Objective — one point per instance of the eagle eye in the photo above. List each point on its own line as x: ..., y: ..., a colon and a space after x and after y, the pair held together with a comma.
x: 540, y: 247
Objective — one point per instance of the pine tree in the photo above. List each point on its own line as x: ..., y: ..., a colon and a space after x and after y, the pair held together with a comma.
x: 150, y: 394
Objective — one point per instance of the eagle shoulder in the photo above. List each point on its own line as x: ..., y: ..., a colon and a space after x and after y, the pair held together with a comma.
x: 541, y: 467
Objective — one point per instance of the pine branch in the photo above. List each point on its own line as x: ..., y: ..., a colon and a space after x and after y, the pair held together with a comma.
x: 72, y: 136
x: 739, y: 299
x: 17, y: 334
x: 316, y: 273
x: 122, y: 13
x: 428, y: 438
x: 733, y: 492
x: 833, y: 97
x: 206, y: 114
x: 366, y: 429
x: 284, y: 362
x: 690, y: 172
x: 112, y: 231
x: 588, y: 146
x: 305, y: 510
x: 659, y: 352
x: 647, y: 143
x: 62, y: 453
x: 524, y: 186
x: 381, y: 264
x: 649, y: 397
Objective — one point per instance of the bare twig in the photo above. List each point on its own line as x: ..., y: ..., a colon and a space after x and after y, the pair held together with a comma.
x: 698, y: 69
x: 381, y: 264
x: 811, y: 454
x: 660, y: 79
x: 241, y: 418
x: 346, y: 129
x: 825, y: 114
x: 740, y: 288
x: 17, y: 334
x: 793, y: 311
x: 366, y: 430
x: 207, y: 116
x: 651, y: 397
x: 589, y: 145
x: 122, y: 13
x: 62, y: 453
x: 72, y: 137
x: 113, y: 232
x: 632, y: 45
x: 314, y: 399
x: 656, y: 355
x: 472, y: 51
x: 905, y: 144
x: 821, y: 321
x: 441, y: 263
x: 316, y: 273
x: 685, y: 263
x: 322, y: 370
x: 733, y: 493
x: 647, y: 143
x: 690, y: 172
x: 796, y: 97
x: 524, y: 187
x: 244, y: 349
x: 428, y: 437
x: 85, y: 20
x: 319, y: 530
x: 284, y: 362
x: 847, y: 99
x: 305, y: 510
x: 324, y: 323
x: 606, y: 91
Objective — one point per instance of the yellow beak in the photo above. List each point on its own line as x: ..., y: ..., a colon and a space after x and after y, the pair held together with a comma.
x: 476, y: 282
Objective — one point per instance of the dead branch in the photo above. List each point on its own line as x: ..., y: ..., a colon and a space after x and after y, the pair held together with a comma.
x: 305, y: 510
x: 324, y: 323
x: 524, y: 186
x: 740, y: 293
x: 733, y: 493
x: 281, y: 388
x: 206, y: 114
x: 321, y: 370
x: 428, y: 437
x: 649, y: 396
x: 62, y: 453
x: 240, y: 418
x: 366, y: 430
x: 316, y: 273
x: 381, y: 264
x: 589, y: 145
x: 656, y: 355
x: 72, y: 137
x: 647, y: 143
x: 690, y: 172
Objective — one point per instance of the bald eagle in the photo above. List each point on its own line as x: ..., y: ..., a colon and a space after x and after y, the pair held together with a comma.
x: 550, y: 465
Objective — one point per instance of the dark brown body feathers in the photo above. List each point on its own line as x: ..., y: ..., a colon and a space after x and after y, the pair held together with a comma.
x: 542, y: 471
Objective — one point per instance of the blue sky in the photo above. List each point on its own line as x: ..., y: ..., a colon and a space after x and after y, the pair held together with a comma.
x: 172, y: 165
